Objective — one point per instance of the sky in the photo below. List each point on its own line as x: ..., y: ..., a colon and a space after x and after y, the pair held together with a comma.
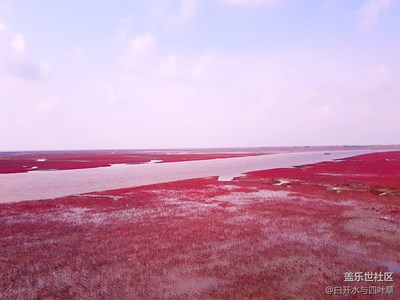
x: 119, y: 74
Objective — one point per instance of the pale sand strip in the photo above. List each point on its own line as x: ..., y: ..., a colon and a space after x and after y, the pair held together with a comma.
x: 52, y: 184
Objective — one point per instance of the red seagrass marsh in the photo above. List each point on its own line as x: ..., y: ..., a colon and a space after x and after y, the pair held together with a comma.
x: 199, y: 150
x: 272, y: 234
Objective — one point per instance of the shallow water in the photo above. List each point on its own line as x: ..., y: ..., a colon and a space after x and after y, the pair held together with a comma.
x: 53, y: 184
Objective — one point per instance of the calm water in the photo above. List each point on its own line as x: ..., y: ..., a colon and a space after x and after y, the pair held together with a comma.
x: 51, y: 184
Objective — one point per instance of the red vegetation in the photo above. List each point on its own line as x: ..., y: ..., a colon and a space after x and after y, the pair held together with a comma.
x: 20, y: 163
x: 199, y: 239
x: 370, y: 168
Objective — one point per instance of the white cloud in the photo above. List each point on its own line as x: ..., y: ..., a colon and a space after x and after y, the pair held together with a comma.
x: 252, y: 1
x: 371, y: 11
x: 77, y: 51
x: 3, y: 27
x: 46, y: 106
x: 152, y: 100
x: 139, y: 54
x: 172, y: 14
x: 45, y: 69
x: 125, y: 30
x: 15, y: 60
x: 255, y: 100
x: 168, y: 67
x: 201, y: 65
x: 142, y: 44
x: 18, y: 43
x: 239, y: 101
x: 188, y: 8
x: 110, y: 96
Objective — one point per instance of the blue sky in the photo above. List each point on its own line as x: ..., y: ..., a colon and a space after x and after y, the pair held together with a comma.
x: 188, y: 73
